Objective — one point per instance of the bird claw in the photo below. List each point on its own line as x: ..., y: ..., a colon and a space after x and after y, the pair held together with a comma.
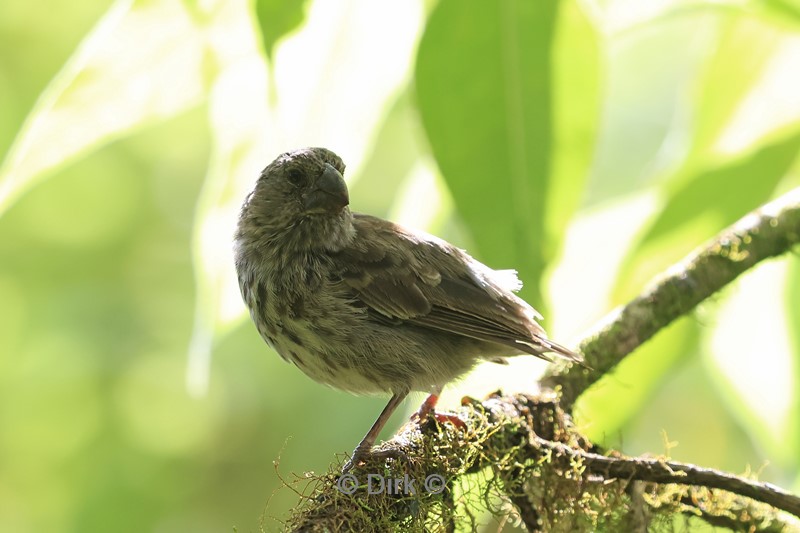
x: 427, y: 409
x: 349, y: 465
x: 453, y: 419
x: 360, y: 457
x: 440, y: 418
x: 389, y: 453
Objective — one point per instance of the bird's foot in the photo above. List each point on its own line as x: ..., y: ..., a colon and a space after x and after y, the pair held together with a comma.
x: 426, y: 410
x: 449, y: 417
x: 359, y: 456
x: 441, y: 418
x: 362, y: 456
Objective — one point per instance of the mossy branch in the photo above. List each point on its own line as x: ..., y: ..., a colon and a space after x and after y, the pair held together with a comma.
x: 767, y: 232
x: 664, y: 471
x: 523, y: 450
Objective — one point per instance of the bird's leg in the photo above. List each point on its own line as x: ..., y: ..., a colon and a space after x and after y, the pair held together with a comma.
x: 429, y: 404
x: 364, y: 447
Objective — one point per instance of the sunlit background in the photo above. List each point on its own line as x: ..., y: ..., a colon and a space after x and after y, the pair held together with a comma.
x: 589, y: 146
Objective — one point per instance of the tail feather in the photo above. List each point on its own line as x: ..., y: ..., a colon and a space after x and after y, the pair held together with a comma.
x: 565, y: 352
x: 547, y: 346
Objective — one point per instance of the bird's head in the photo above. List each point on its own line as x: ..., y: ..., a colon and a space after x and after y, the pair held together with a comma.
x: 303, y: 190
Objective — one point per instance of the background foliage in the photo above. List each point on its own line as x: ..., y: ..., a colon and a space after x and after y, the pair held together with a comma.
x: 587, y: 144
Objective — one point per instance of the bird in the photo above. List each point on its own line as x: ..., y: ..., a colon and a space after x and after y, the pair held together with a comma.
x: 366, y: 305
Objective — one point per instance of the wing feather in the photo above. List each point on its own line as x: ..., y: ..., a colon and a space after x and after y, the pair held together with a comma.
x: 415, y: 278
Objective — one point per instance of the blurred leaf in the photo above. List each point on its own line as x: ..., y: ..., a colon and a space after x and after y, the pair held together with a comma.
x: 394, y: 153
x: 609, y: 404
x: 751, y: 363
x: 276, y: 18
x: 789, y: 10
x: 701, y: 207
x: 731, y: 190
x: 486, y: 81
x: 792, y: 301
x: 143, y: 62
x: 686, y: 419
x: 576, y: 111
x: 744, y: 48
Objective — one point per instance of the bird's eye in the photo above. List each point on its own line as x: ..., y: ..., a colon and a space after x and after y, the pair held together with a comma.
x: 296, y: 176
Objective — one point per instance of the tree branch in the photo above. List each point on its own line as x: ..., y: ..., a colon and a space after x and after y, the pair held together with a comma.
x: 769, y: 231
x: 553, y: 476
x: 663, y: 471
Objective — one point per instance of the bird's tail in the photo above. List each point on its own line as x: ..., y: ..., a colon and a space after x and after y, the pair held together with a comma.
x: 564, y: 352
x: 543, y: 346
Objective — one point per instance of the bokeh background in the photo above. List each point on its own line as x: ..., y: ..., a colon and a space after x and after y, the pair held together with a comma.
x: 589, y: 145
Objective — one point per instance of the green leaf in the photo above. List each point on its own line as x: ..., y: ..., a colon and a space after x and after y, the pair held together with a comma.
x: 143, y: 62
x: 793, y: 319
x: 699, y: 208
x: 576, y: 111
x: 394, y: 153
x: 276, y: 18
x: 606, y: 407
x: 787, y: 10
x: 743, y: 50
x: 486, y: 77
x: 751, y: 361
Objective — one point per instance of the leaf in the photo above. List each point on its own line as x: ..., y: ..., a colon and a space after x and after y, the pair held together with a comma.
x: 676, y: 84
x: 486, y: 84
x: 394, y: 153
x: 787, y: 10
x: 792, y: 303
x: 277, y: 18
x: 144, y: 61
x: 576, y: 108
x: 611, y: 402
x: 751, y: 360
x: 702, y: 206
x: 742, y: 52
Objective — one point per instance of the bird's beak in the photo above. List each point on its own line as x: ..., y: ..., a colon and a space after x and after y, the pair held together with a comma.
x: 329, y: 194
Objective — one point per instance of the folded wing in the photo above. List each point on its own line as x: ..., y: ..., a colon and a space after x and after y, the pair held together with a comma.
x: 402, y: 275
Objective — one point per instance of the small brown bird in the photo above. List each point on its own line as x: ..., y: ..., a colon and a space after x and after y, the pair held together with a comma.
x: 366, y: 305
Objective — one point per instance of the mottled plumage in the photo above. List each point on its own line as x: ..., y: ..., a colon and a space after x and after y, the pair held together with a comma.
x: 366, y: 305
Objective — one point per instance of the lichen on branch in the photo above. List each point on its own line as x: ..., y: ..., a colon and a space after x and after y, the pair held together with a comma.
x: 769, y: 231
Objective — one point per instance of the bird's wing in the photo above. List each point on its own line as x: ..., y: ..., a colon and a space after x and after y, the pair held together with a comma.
x: 407, y: 276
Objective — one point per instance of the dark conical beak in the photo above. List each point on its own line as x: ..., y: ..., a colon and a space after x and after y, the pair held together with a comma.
x: 329, y: 193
